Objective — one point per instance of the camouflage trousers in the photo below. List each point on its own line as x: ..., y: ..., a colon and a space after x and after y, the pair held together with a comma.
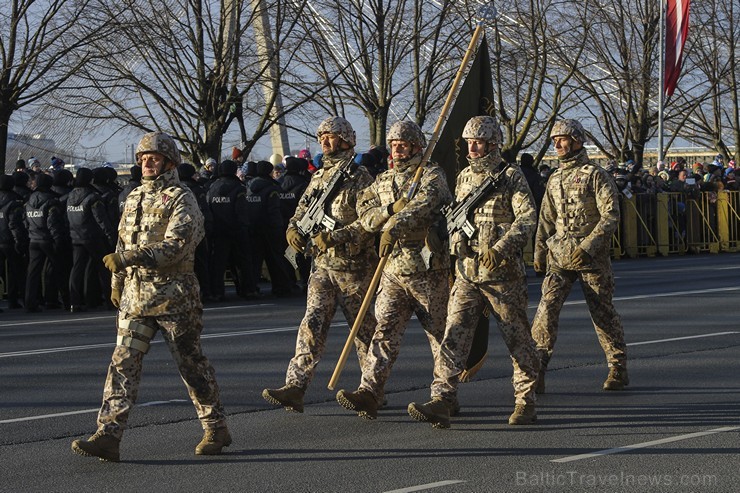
x: 400, y: 296
x: 182, y: 335
x: 598, y: 289
x: 508, y: 304
x: 327, y: 289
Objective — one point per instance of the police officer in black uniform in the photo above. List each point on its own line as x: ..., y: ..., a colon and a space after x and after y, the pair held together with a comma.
x: 46, y: 232
x: 227, y: 201
x: 13, y: 240
x: 266, y: 228
x: 93, y: 237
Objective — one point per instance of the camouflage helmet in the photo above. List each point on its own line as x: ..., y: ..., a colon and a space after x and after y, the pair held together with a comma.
x: 483, y: 128
x: 408, y: 131
x: 571, y: 128
x: 158, y: 142
x: 337, y: 125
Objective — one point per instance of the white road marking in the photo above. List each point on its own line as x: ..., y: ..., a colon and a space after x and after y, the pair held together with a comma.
x: 33, y: 352
x: 655, y: 295
x: 682, y: 338
x: 113, y: 317
x: 427, y: 486
x: 82, y: 411
x: 628, y: 448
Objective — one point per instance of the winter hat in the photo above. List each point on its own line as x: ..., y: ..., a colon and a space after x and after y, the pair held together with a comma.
x: 44, y: 181
x: 135, y: 173
x: 264, y: 168
x: 63, y: 177
x: 84, y: 177
x: 7, y: 182
x: 295, y: 164
x: 185, y: 171
x: 227, y: 168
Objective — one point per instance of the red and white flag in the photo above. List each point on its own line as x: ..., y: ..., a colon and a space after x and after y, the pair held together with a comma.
x: 677, y: 29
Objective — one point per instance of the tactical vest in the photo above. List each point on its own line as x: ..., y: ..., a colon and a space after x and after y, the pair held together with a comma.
x: 574, y: 198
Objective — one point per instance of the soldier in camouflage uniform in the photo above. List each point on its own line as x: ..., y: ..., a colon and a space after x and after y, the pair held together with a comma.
x: 155, y: 289
x: 579, y: 215
x: 415, y: 279
x: 489, y: 272
x: 343, y: 264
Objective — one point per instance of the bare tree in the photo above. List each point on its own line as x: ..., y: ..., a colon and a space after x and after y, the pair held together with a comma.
x: 534, y: 56
x: 712, y: 77
x: 37, y: 44
x: 191, y: 70
x: 387, y: 59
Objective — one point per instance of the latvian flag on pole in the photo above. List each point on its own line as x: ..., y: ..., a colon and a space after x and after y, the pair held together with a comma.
x: 677, y: 29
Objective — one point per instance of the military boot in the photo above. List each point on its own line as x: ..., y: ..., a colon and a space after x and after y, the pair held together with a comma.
x: 524, y: 414
x: 290, y: 397
x: 617, y: 379
x: 436, y: 412
x: 100, y: 445
x: 362, y: 401
x: 214, y: 439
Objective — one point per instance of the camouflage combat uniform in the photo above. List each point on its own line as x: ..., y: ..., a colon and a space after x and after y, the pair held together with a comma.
x: 159, y: 230
x: 409, y: 284
x: 580, y: 209
x: 505, y: 221
x: 341, y: 275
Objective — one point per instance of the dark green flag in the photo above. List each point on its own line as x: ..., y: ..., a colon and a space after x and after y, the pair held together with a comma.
x: 475, y: 98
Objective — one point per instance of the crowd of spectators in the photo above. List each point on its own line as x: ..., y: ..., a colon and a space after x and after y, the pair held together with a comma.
x: 55, y: 227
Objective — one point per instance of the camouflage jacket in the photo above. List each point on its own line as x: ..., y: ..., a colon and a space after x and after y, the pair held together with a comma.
x: 409, y: 226
x: 355, y: 249
x: 580, y: 209
x: 504, y: 221
x: 160, y: 228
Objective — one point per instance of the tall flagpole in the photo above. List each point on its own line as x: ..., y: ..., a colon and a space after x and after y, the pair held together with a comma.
x: 661, y: 78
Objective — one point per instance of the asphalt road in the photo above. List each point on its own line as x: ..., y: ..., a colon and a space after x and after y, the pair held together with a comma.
x: 674, y: 429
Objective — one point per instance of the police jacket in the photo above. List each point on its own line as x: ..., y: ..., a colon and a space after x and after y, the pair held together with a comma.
x: 293, y: 187
x: 109, y: 196
x: 227, y: 202
x: 44, y: 218
x: 159, y: 230
x: 201, y: 196
x: 580, y: 210
x: 88, y: 218
x: 12, y: 227
x: 409, y: 226
x: 263, y: 203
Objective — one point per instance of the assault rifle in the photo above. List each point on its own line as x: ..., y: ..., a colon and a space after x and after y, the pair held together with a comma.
x: 316, y: 216
x: 457, y: 215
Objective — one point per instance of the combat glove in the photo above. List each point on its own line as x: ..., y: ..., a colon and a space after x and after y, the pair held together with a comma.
x: 386, y: 244
x: 295, y: 239
x: 491, y: 259
x: 114, y: 262
x: 397, y: 206
x: 324, y: 241
x: 580, y: 258
x: 115, y: 297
